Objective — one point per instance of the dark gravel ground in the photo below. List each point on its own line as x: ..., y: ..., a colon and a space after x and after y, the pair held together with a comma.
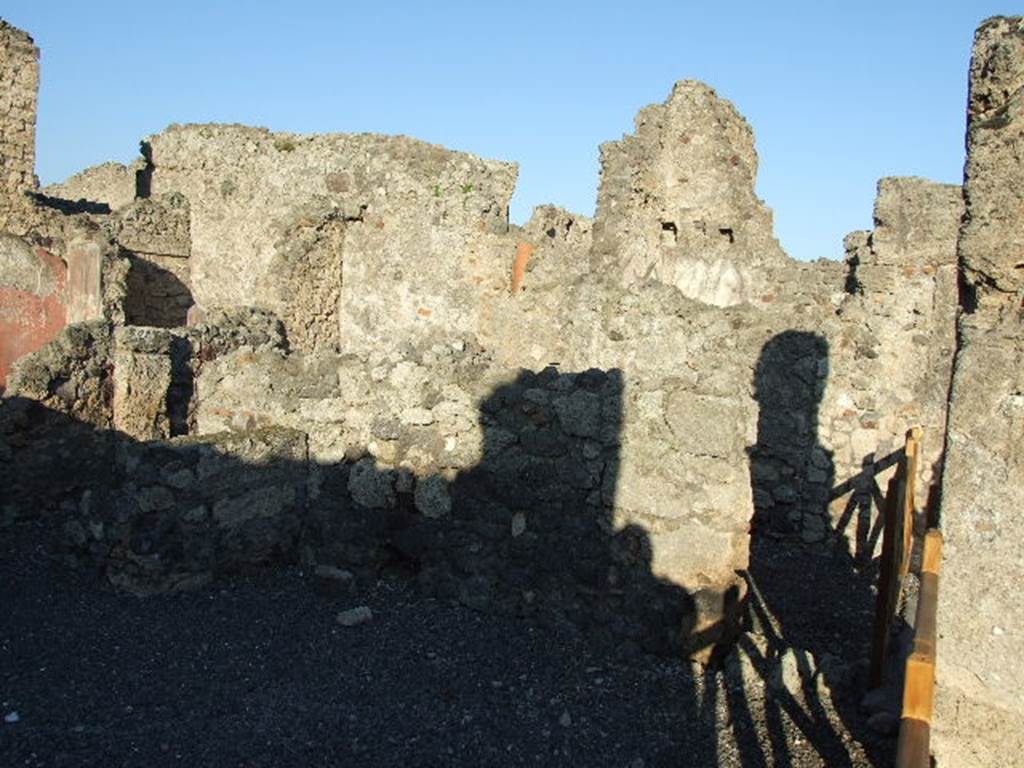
x: 256, y: 671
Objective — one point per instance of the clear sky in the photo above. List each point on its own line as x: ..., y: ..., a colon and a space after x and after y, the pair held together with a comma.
x: 839, y: 93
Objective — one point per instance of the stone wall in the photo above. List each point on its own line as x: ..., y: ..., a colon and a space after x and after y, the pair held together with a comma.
x: 57, y: 273
x: 153, y: 234
x: 55, y: 417
x: 265, y: 204
x: 387, y: 285
x: 174, y: 514
x: 677, y: 202
x: 19, y: 76
x: 582, y: 421
x: 112, y: 185
x: 880, y: 329
x: 980, y: 712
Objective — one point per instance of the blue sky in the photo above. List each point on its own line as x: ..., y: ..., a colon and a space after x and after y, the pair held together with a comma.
x: 839, y: 93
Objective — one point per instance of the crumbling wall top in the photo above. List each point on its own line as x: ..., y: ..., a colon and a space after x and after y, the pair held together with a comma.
x: 12, y: 35
x: 677, y: 200
x: 248, y: 186
x: 110, y: 184
x: 915, y: 221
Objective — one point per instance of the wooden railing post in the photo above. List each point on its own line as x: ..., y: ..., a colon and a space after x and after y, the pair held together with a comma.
x: 913, y: 748
x: 912, y: 459
x: 897, y: 542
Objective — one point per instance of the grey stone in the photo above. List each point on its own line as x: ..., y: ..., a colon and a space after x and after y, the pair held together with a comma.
x: 579, y: 413
x: 353, y: 617
x: 267, y: 502
x: 371, y: 486
x: 432, y: 498
x: 154, y: 498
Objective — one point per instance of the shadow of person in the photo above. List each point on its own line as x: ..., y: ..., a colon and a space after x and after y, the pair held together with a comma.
x: 530, y: 531
x: 809, y: 600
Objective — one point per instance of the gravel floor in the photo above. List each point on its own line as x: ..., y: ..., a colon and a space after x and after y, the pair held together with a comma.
x: 256, y: 671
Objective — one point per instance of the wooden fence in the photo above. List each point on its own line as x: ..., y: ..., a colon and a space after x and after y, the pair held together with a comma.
x: 897, y: 546
x: 913, y: 746
x: 912, y: 749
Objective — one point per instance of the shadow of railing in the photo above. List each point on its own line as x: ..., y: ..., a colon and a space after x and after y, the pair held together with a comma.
x: 810, y: 592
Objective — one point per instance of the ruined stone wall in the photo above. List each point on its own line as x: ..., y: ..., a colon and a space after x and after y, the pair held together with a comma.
x: 53, y: 417
x: 900, y: 314
x: 112, y: 185
x: 828, y: 365
x: 19, y: 76
x: 71, y: 403
x: 402, y: 202
x: 153, y: 234
x: 724, y: 415
x: 176, y: 513
x: 505, y: 490
x: 677, y: 204
x: 63, y: 270
x: 575, y: 420
x: 980, y: 712
x: 876, y: 336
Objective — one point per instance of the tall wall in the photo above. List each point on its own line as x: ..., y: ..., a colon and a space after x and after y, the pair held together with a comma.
x: 677, y: 203
x: 980, y: 710
x: 265, y: 207
x: 19, y: 77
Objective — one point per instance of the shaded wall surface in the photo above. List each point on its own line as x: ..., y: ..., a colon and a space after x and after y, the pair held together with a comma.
x: 980, y: 715
x: 524, y: 531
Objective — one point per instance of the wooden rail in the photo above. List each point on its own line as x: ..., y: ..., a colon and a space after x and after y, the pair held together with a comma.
x: 912, y: 747
x: 897, y: 543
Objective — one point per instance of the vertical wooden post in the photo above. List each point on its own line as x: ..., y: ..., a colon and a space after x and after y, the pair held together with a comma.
x: 897, y: 540
x: 912, y: 457
x: 913, y: 745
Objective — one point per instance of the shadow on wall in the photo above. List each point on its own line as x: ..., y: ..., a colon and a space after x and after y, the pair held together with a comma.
x: 526, y: 532
x: 70, y: 207
x: 530, y: 529
x: 811, y: 601
x: 156, y: 296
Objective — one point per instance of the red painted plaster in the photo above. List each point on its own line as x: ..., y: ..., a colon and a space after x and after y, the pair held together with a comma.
x: 28, y: 321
